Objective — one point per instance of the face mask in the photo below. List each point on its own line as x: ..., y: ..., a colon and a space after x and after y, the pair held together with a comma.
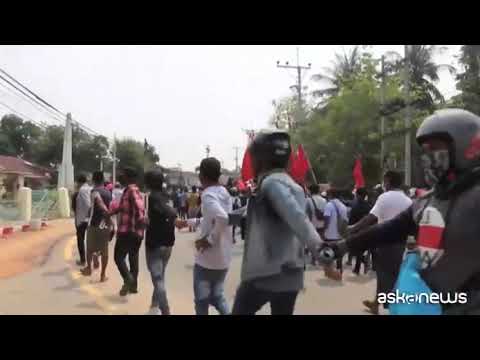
x: 435, y: 166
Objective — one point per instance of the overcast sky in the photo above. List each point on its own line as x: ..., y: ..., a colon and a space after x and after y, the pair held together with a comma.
x: 180, y: 98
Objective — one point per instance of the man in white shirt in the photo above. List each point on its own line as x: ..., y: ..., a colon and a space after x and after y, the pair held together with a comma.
x: 82, y: 209
x: 387, y: 259
x: 214, y: 241
x: 334, y: 210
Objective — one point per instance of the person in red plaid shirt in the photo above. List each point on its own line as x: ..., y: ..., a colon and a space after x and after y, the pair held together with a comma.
x: 130, y: 231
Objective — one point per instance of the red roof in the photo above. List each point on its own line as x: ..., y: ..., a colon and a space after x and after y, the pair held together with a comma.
x: 13, y: 165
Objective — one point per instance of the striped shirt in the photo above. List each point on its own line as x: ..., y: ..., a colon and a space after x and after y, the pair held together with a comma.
x: 132, y: 212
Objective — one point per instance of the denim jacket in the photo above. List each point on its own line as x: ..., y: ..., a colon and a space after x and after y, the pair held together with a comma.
x: 278, y: 228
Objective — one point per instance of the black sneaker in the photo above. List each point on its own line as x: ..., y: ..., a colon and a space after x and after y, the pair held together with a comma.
x: 124, y: 290
x: 133, y: 288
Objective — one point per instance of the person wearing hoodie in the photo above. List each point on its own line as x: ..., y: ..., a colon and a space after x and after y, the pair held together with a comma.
x: 214, y: 241
x: 278, y: 229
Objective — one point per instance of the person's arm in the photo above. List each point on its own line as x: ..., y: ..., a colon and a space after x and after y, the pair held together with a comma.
x: 136, y: 201
x: 389, y: 232
x: 101, y: 205
x: 372, y: 218
x: 215, y: 219
x: 364, y: 223
x: 161, y: 207
x: 288, y: 209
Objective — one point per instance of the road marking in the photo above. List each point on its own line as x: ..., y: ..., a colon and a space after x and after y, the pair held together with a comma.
x: 97, y: 295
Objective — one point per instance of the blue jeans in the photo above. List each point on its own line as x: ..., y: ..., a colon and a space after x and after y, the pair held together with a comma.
x: 208, y: 290
x: 157, y: 260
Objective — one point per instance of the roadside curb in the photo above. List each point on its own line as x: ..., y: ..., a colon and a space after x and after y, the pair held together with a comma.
x: 5, y: 231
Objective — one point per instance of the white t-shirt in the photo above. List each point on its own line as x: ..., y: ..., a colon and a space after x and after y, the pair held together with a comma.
x: 390, y: 204
x: 330, y: 211
x: 320, y: 202
x: 216, y: 205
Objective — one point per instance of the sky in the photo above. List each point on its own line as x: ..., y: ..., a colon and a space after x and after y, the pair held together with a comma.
x: 179, y: 97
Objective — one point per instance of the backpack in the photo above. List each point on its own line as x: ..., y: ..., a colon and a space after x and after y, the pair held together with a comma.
x: 317, y: 212
x: 342, y: 224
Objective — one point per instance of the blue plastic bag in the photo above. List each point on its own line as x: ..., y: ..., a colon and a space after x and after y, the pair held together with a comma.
x: 409, y: 282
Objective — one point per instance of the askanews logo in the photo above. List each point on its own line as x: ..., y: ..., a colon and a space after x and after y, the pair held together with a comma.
x: 422, y: 298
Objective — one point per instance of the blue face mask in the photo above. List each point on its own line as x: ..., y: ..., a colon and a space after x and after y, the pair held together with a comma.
x: 435, y: 166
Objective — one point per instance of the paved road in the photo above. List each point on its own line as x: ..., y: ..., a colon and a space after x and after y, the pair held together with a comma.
x: 56, y: 287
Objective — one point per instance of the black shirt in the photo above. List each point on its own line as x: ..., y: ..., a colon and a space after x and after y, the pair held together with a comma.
x: 161, y: 228
x: 98, y: 214
x: 360, y: 209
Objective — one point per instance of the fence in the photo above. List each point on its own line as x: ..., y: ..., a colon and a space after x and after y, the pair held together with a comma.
x: 44, y: 204
x: 9, y: 211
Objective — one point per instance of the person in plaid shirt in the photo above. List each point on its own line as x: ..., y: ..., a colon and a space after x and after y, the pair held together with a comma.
x: 131, y: 227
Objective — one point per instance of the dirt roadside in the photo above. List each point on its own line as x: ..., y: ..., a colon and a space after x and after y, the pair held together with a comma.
x: 22, y: 251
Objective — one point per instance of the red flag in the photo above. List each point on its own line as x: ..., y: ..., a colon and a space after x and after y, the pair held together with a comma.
x: 247, y: 167
x: 358, y: 174
x: 292, y: 163
x: 299, y: 165
x: 241, y: 186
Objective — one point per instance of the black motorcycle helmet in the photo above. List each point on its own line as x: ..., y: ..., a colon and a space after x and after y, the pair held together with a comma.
x: 461, y: 129
x: 270, y: 149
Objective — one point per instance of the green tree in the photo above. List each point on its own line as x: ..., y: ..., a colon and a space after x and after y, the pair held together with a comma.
x: 19, y: 136
x: 48, y: 150
x: 131, y: 153
x: 468, y: 81
x: 345, y: 66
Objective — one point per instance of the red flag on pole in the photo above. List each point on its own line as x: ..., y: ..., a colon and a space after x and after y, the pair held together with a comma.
x: 299, y: 165
x: 358, y: 174
x: 247, y: 166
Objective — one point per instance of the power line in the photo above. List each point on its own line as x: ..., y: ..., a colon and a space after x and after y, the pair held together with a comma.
x: 31, y: 92
x: 298, y: 86
x: 22, y: 115
x: 20, y: 90
x: 40, y: 108
x: 40, y: 99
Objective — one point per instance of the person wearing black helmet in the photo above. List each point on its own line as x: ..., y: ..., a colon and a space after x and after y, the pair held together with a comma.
x: 278, y: 229
x: 444, y: 220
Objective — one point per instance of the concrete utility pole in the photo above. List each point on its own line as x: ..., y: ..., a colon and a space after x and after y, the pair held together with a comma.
x: 114, y: 165
x: 236, y: 148
x: 382, y: 120
x: 298, y: 86
x: 408, y: 121
x: 65, y: 175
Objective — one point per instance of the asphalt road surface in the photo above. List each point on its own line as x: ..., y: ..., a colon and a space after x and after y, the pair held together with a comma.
x: 55, y: 286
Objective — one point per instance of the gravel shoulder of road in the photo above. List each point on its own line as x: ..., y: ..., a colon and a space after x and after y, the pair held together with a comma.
x: 22, y: 251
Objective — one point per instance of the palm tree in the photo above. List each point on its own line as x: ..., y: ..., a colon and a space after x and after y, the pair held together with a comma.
x: 423, y: 73
x: 344, y: 67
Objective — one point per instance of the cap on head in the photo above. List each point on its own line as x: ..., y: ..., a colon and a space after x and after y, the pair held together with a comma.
x: 461, y: 129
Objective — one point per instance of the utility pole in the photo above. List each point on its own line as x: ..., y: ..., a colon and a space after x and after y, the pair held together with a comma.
x: 114, y: 167
x: 382, y: 120
x: 299, y: 69
x: 207, y: 150
x: 408, y: 145
x: 236, y: 148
